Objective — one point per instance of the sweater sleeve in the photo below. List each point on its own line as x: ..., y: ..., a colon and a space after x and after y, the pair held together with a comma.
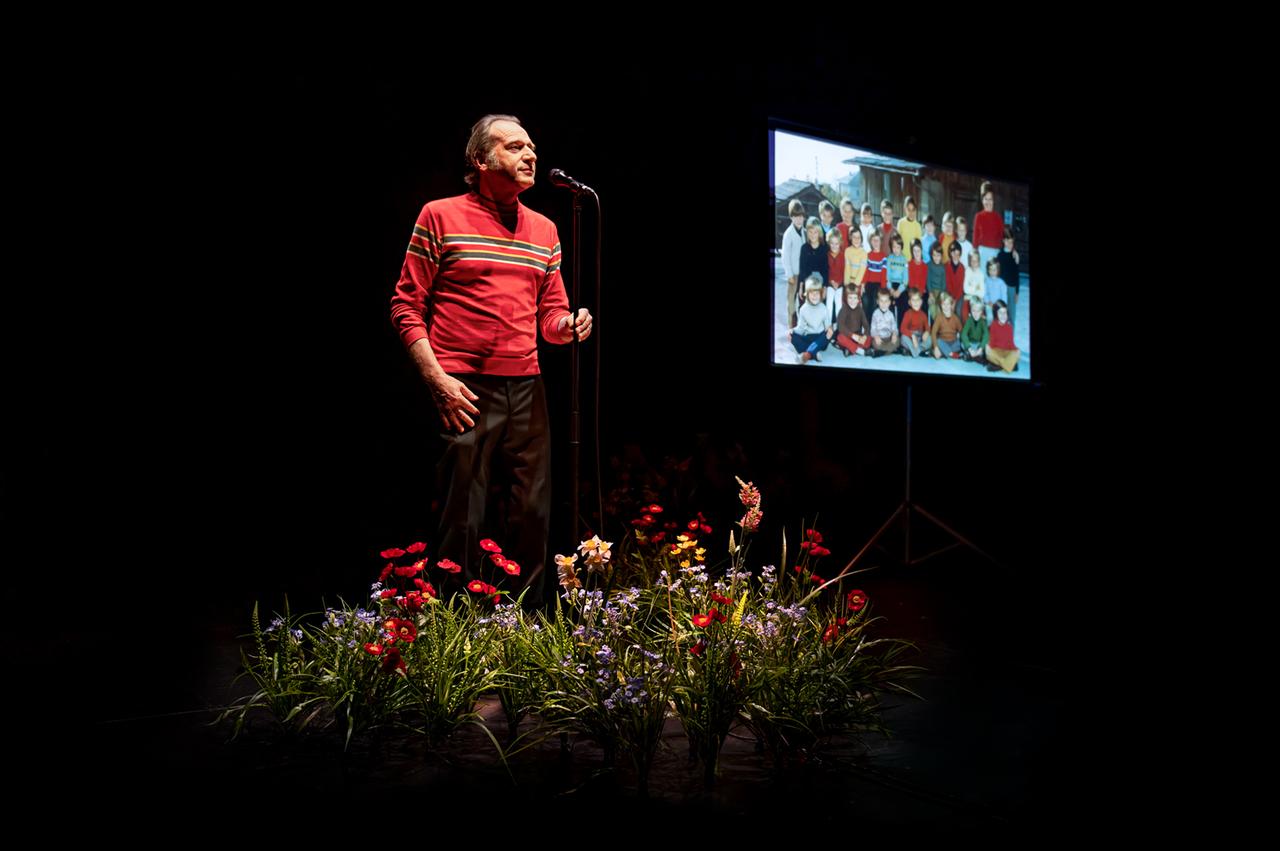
x: 421, y: 259
x: 553, y: 303
x: 790, y: 252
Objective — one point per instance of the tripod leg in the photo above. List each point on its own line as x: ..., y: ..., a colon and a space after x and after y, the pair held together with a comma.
x: 960, y: 538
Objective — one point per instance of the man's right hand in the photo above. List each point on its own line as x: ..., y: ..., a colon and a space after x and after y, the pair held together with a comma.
x: 453, y: 400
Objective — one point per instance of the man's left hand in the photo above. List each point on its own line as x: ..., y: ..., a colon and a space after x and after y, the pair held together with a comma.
x: 583, y: 324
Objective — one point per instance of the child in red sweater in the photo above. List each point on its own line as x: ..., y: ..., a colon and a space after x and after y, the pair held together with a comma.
x: 835, y: 272
x: 1001, y: 352
x: 917, y: 269
x: 915, y: 327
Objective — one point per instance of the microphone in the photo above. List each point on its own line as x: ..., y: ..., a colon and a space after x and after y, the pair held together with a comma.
x: 559, y: 178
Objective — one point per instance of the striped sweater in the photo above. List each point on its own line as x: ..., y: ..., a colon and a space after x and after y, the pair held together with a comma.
x: 477, y: 290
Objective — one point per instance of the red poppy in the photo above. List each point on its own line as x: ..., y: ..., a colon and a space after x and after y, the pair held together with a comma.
x: 499, y: 559
x: 653, y: 508
x: 670, y: 524
x: 693, y: 525
x: 657, y: 537
x: 489, y: 546
x: 449, y: 566
x: 721, y: 599
x: 842, y: 621
x: 416, y: 547
x: 373, y: 649
x: 476, y: 585
x: 391, y: 660
x: 799, y: 569
x: 413, y: 601
x: 497, y: 598
x: 410, y: 570
x: 386, y: 571
x: 388, y: 593
x: 394, y: 552
x: 429, y: 590
x: 706, y: 530
x: 813, y: 535
x: 703, y: 621
x: 831, y: 633
x: 856, y: 600
x: 819, y: 551
x: 805, y: 545
x: 697, y: 649
x: 400, y: 629
x: 511, y: 567
x: 813, y: 577
x: 719, y: 615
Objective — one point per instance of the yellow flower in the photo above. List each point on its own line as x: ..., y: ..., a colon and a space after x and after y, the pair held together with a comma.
x: 684, y: 563
x: 700, y: 552
x: 682, y: 537
x: 566, y: 561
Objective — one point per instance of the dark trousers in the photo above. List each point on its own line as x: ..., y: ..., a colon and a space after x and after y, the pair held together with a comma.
x: 494, y: 481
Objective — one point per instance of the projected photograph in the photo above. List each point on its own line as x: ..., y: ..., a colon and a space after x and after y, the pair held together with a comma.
x: 885, y: 264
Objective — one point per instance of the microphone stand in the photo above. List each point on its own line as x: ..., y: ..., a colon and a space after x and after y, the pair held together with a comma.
x: 575, y: 425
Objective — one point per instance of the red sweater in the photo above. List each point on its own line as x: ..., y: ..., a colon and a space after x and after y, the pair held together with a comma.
x: 914, y: 322
x: 835, y: 269
x: 1001, y: 336
x: 917, y: 276
x: 844, y: 233
x: 876, y: 268
x: 477, y: 290
x: 955, y: 282
x: 988, y: 230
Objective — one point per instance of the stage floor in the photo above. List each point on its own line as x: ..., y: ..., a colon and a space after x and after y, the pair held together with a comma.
x: 985, y: 750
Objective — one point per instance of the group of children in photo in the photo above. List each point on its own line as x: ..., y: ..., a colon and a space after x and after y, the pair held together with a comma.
x: 843, y: 290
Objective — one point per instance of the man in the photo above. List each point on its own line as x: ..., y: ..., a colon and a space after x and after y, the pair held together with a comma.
x: 481, y: 277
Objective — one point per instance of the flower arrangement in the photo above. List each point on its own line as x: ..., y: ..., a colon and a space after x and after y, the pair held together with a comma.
x: 641, y: 631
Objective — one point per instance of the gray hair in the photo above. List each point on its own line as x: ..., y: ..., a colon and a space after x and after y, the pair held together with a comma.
x: 480, y: 145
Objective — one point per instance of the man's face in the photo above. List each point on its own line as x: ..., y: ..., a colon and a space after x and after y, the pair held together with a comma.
x: 511, y: 156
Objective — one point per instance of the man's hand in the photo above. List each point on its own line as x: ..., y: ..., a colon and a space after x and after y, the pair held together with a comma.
x: 583, y: 325
x: 453, y: 400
